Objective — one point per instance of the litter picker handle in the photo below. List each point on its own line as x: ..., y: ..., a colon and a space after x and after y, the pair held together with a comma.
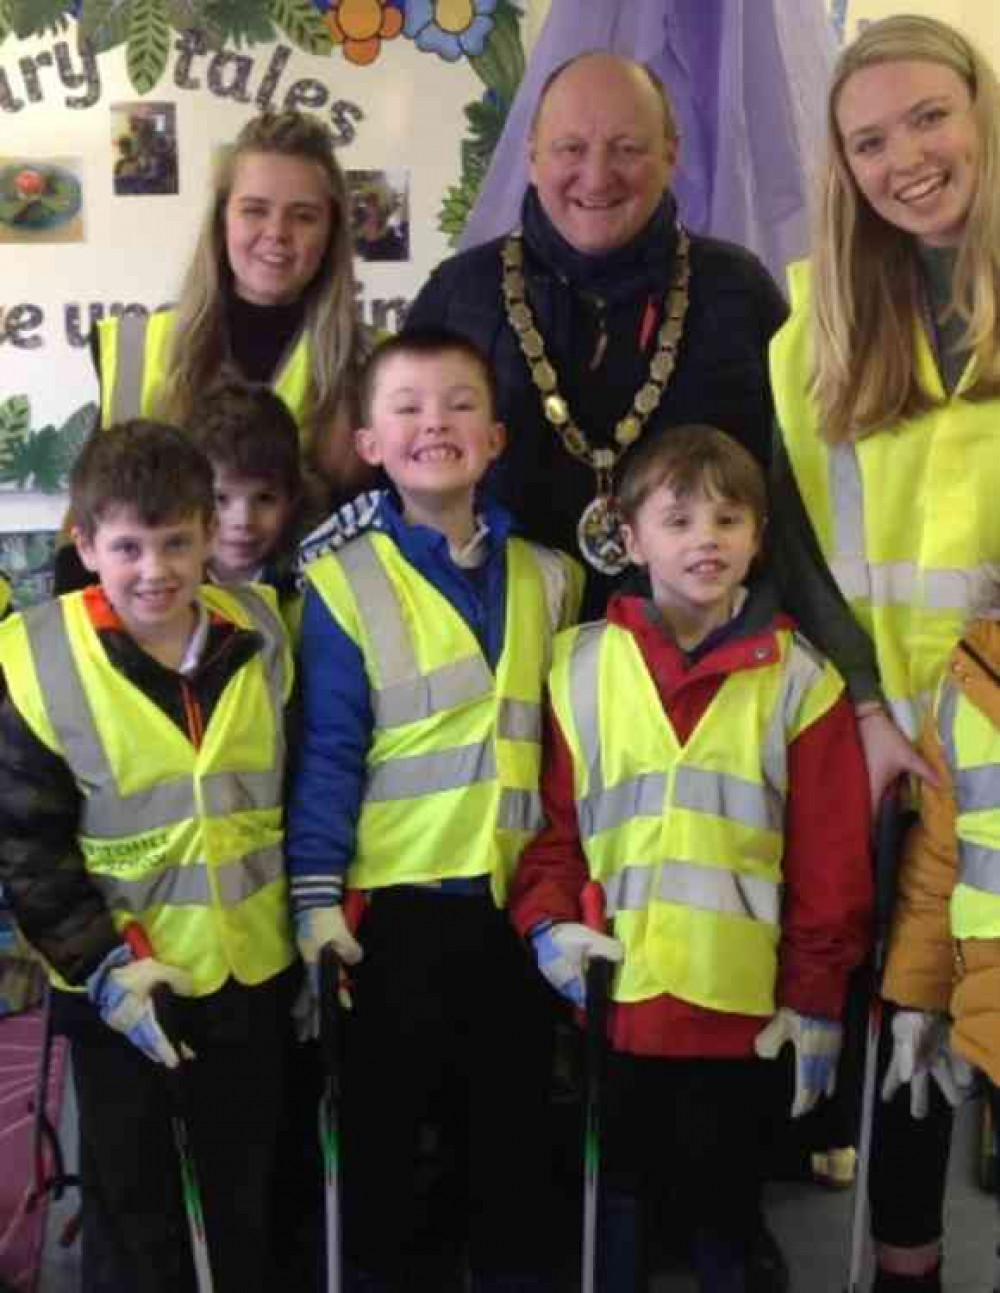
x: 329, y: 1010
x: 164, y: 1001
x: 890, y: 830
x: 592, y: 906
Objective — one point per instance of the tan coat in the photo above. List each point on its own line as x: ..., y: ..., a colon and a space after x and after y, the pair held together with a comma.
x: 927, y: 968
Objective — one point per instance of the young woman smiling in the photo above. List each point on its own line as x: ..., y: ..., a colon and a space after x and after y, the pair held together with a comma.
x: 887, y: 390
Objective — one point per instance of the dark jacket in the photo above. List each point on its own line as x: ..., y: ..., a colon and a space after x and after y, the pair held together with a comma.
x: 56, y: 904
x: 721, y: 377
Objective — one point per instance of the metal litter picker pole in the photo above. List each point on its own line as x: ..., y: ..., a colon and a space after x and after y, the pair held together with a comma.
x: 330, y: 1045
x: 598, y: 980
x: 888, y: 839
x: 165, y: 1005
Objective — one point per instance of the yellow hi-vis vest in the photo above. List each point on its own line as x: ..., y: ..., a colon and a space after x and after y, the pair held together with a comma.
x: 134, y: 350
x: 4, y: 596
x: 907, y: 518
x: 186, y: 841
x: 687, y: 840
x: 971, y: 745
x: 453, y: 770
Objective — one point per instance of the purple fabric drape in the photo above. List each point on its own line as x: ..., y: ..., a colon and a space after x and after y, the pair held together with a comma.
x: 747, y: 79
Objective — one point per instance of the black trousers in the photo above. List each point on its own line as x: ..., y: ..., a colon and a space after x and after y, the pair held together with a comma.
x: 909, y: 1165
x: 451, y: 1020
x: 693, y: 1128
x: 133, y: 1208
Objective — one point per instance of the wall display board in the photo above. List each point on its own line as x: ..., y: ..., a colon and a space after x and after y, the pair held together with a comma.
x: 112, y: 113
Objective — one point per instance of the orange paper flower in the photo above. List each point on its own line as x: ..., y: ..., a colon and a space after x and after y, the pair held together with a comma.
x: 361, y: 26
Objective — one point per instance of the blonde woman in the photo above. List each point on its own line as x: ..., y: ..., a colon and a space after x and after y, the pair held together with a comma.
x: 270, y: 290
x: 887, y: 390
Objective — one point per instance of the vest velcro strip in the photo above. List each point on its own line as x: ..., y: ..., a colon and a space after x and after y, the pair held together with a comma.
x: 419, y: 698
x: 427, y: 774
x: 720, y: 794
x: 190, y: 886
x: 695, y: 885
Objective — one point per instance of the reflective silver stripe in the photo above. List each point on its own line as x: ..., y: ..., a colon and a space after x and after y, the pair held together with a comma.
x: 980, y: 867
x: 105, y: 813
x: 428, y: 774
x: 720, y: 794
x: 130, y: 367
x: 978, y: 789
x: 432, y: 693
x: 704, y: 888
x: 847, y: 492
x: 190, y: 886
x: 947, y: 709
x: 610, y: 807
x: 269, y: 624
x: 802, y: 669
x: 520, y: 810
x: 58, y: 676
x: 897, y: 583
x: 584, y: 664
x: 376, y: 598
x: 520, y: 720
x: 554, y: 579
x: 404, y: 694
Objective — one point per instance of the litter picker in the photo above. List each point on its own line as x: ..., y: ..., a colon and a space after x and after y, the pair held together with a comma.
x: 165, y: 1006
x: 598, y: 981
x: 888, y: 841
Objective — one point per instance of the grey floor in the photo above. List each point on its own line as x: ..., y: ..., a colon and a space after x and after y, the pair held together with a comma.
x: 812, y: 1226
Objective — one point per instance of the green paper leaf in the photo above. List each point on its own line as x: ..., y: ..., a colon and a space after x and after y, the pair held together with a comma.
x: 501, y: 64
x: 104, y: 23
x: 72, y: 436
x: 6, y: 19
x: 190, y: 15
x: 38, y: 17
x: 15, y: 418
x: 148, y: 44
x: 240, y: 22
x: 303, y: 25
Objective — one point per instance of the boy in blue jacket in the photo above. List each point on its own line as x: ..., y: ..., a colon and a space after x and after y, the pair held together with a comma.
x: 425, y: 644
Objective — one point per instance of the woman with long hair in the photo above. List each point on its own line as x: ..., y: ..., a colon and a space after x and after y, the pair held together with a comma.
x: 887, y: 390
x: 270, y: 291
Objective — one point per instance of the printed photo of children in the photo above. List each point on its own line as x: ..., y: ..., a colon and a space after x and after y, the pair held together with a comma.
x: 144, y: 144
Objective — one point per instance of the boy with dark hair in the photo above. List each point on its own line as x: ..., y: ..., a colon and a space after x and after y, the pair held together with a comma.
x: 141, y: 760
x: 738, y: 903
x: 424, y: 647
x: 250, y: 438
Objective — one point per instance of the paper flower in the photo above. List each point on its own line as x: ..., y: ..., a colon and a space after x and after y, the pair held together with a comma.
x: 452, y: 29
x: 361, y: 26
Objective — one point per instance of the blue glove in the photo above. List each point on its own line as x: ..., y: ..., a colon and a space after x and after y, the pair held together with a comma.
x: 817, y: 1049
x: 122, y: 990
x: 562, y: 952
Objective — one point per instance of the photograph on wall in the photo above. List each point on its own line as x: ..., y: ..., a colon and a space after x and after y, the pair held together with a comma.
x: 41, y: 199
x: 28, y: 560
x: 380, y: 214
x: 144, y: 147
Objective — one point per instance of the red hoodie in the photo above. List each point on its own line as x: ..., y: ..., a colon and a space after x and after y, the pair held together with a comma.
x: 827, y: 868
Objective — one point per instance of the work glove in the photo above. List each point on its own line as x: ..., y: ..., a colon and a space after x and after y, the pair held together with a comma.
x: 122, y: 990
x: 817, y: 1049
x: 920, y: 1051
x: 314, y: 928
x: 562, y: 952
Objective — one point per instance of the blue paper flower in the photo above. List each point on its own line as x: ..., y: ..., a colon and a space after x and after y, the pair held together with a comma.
x: 452, y: 29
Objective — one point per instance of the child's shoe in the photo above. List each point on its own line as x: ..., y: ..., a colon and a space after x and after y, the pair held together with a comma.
x: 834, y: 1169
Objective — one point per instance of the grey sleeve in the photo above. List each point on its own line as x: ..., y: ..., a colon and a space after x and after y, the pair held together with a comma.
x: 808, y: 590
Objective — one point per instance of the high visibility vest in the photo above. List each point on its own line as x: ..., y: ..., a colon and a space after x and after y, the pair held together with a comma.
x: 687, y: 840
x: 908, y: 519
x: 134, y: 350
x: 971, y: 745
x: 186, y: 841
x: 451, y: 788
x: 4, y: 596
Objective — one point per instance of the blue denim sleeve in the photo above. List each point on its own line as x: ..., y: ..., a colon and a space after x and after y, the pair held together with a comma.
x: 329, y: 765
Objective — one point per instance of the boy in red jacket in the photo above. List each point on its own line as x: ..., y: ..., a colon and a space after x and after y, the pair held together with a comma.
x: 694, y: 742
